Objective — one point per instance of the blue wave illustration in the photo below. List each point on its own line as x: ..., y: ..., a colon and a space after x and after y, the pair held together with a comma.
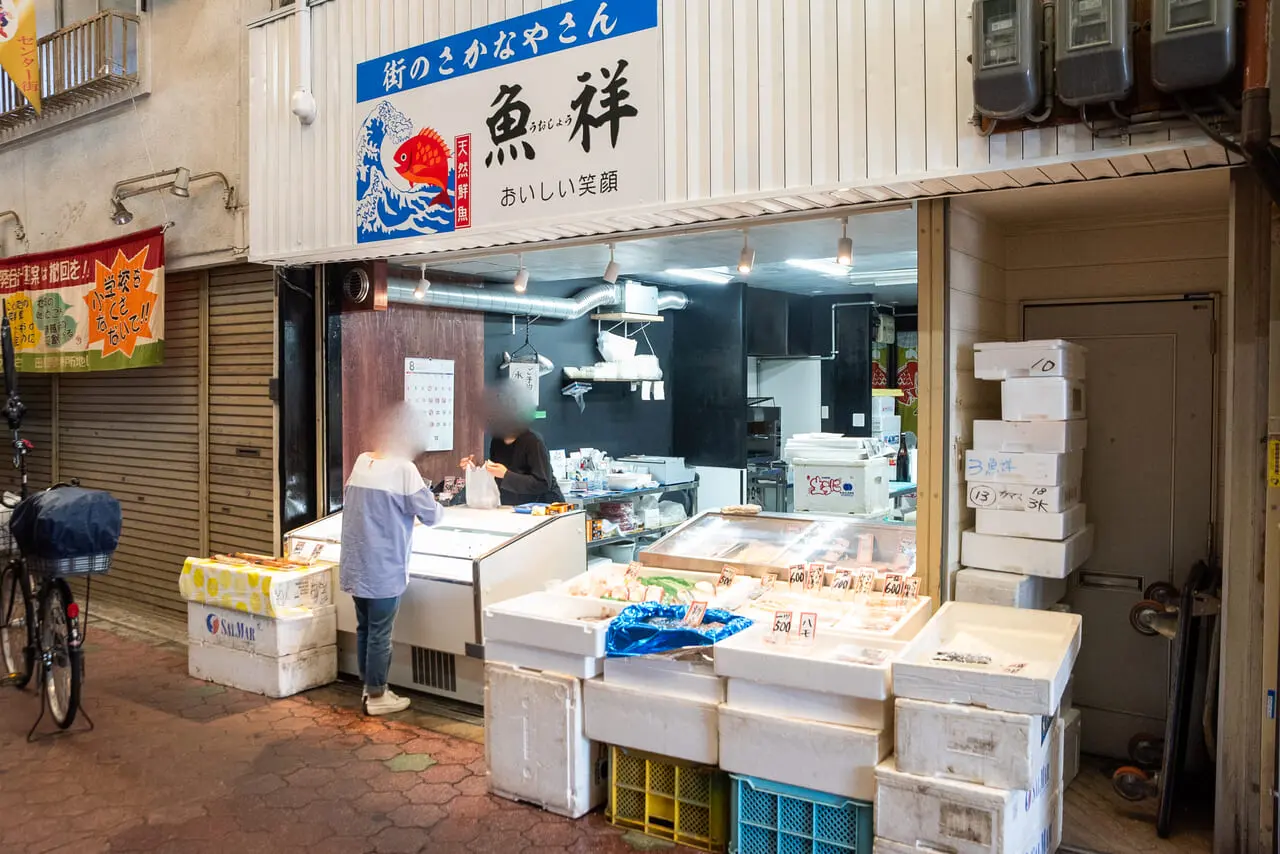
x: 383, y: 210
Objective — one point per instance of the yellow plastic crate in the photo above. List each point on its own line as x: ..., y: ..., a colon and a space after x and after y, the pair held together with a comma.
x: 668, y: 799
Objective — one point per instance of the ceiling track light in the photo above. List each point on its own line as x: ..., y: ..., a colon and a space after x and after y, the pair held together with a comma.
x: 424, y: 285
x: 612, y: 269
x: 747, y: 257
x: 522, y: 276
x: 844, y: 246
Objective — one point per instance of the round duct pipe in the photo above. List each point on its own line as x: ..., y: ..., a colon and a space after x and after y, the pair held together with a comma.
x: 401, y: 289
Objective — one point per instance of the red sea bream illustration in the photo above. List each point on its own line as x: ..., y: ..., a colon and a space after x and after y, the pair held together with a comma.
x: 423, y: 160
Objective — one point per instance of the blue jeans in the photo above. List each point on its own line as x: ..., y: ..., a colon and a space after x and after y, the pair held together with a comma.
x: 374, y: 619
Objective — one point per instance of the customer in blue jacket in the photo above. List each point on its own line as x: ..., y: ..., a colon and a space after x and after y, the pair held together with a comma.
x: 385, y: 494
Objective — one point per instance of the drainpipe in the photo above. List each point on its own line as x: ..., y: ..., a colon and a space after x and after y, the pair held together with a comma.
x: 1255, y: 106
x: 303, y: 102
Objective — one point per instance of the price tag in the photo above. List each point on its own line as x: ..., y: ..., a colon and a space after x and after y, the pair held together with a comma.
x: 843, y: 582
x: 815, y: 576
x: 864, y: 581
x: 781, y: 626
x: 912, y: 587
x: 299, y: 546
x: 633, y: 572
x: 797, y: 576
x: 694, y: 616
x: 808, y: 627
x: 894, y: 585
x: 727, y: 574
x: 769, y: 580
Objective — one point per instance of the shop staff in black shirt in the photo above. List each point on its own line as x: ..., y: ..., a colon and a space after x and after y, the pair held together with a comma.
x: 518, y: 458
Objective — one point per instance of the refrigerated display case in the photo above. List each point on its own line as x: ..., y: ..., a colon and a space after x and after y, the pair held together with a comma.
x: 474, y: 558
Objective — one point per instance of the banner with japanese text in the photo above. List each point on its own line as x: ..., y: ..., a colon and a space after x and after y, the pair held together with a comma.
x: 550, y: 113
x: 19, y: 56
x: 92, y: 308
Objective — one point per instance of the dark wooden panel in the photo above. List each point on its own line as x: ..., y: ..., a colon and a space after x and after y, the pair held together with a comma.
x: 374, y: 347
x: 709, y: 384
x: 846, y: 379
x: 767, y: 320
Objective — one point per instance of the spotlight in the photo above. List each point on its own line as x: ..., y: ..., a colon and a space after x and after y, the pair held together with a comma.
x: 120, y: 215
x: 181, y: 182
x: 844, y: 247
x: 611, y: 271
x: 420, y: 292
x: 747, y: 257
x: 522, y: 276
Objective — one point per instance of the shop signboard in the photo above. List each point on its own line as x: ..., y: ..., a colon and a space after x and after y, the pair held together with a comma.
x: 98, y: 307
x: 551, y: 113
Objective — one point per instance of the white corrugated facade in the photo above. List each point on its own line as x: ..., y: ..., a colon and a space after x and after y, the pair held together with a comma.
x: 769, y: 106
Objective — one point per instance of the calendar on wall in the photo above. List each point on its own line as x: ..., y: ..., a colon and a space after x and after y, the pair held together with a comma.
x: 428, y: 388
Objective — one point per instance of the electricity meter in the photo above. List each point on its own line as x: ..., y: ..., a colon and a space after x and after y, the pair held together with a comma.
x: 1007, y: 57
x: 1193, y: 43
x: 1093, y: 51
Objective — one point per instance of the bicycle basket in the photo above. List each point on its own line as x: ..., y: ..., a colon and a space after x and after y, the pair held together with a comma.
x: 68, y: 530
x: 69, y: 566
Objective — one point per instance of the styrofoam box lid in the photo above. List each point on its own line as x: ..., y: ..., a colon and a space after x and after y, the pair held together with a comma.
x: 834, y: 663
x: 1045, y: 344
x: 1002, y: 658
x: 554, y: 621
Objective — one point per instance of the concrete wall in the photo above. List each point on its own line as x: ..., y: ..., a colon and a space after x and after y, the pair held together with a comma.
x: 60, y: 181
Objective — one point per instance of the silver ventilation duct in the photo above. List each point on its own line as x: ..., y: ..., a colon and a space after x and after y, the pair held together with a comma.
x: 401, y: 288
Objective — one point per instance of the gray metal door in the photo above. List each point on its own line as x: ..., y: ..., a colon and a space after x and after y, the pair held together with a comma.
x: 1149, y: 486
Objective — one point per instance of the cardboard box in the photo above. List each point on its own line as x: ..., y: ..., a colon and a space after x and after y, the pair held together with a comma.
x: 1010, y: 590
x: 272, y: 637
x: 1034, y: 526
x: 1005, y: 467
x: 804, y: 705
x: 987, y: 495
x: 257, y: 589
x: 1007, y: 659
x: 1003, y: 750
x: 281, y: 676
x: 656, y: 723
x: 1001, y: 360
x: 1039, y: 399
x: 1031, y: 437
x: 1025, y: 556
x: 536, y: 746
x: 823, y: 757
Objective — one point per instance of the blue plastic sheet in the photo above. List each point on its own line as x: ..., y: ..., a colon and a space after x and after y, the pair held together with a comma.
x: 649, y: 627
x: 67, y: 522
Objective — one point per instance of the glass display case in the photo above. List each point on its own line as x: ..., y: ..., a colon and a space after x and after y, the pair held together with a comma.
x: 474, y: 558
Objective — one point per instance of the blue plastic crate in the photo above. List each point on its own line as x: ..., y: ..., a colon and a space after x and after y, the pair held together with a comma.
x: 773, y: 818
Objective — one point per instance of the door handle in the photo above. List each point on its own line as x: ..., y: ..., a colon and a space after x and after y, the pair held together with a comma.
x: 1108, y: 581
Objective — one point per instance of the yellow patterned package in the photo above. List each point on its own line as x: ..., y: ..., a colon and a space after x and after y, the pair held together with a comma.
x: 277, y: 590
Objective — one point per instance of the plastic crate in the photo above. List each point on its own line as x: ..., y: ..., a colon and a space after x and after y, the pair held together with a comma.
x: 669, y: 799
x: 773, y: 818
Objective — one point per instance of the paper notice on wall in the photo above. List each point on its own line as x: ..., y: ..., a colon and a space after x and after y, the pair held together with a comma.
x: 428, y: 388
x: 525, y: 376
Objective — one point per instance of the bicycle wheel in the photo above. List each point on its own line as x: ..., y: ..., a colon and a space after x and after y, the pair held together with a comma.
x: 63, y: 661
x: 17, y: 624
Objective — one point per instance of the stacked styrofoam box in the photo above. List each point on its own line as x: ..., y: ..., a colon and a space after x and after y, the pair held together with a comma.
x: 275, y: 656
x: 978, y: 766
x: 1023, y: 477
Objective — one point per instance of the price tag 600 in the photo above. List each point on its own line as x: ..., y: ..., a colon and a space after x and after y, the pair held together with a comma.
x: 797, y: 576
x: 894, y: 585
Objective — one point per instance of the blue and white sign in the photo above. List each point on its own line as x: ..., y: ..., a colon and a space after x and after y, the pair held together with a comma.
x: 548, y: 114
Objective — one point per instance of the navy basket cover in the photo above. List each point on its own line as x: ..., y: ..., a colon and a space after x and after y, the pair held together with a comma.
x: 67, y: 522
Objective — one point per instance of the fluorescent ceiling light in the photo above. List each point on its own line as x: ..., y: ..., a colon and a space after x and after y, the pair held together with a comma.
x: 827, y: 267
x: 699, y: 275
x: 873, y: 278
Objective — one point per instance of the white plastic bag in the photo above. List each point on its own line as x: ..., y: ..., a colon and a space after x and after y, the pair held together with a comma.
x: 482, y: 489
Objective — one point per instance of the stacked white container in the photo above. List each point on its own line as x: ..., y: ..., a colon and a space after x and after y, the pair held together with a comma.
x: 978, y: 740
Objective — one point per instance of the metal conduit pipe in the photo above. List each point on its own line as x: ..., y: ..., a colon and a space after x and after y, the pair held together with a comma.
x: 400, y: 288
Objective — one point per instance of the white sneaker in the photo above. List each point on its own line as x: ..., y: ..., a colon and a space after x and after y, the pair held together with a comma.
x: 388, y: 704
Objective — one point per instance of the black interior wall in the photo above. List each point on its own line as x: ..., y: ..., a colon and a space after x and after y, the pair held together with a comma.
x: 616, y: 419
x: 710, y: 385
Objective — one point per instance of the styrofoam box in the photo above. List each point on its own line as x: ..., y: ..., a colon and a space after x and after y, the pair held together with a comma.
x: 826, y: 758
x: 1008, y: 659
x: 842, y: 486
x: 658, y: 723
x: 1005, y: 467
x: 853, y: 666
x: 1070, y: 746
x: 281, y: 676
x: 807, y: 705
x: 692, y: 680
x: 575, y: 625
x: 258, y: 634
x: 1035, y: 526
x: 1039, y: 399
x: 534, y: 658
x: 987, y: 495
x: 1031, y: 437
x: 1004, y: 750
x: 933, y: 813
x: 1068, y: 695
x: 1025, y: 556
x: 989, y: 587
x: 1000, y: 360
x: 535, y: 745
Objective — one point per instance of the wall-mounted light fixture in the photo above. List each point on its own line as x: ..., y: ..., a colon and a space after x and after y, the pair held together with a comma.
x: 177, y: 181
x: 747, y: 257
x: 18, y: 231
x: 612, y: 269
x: 844, y: 246
x: 424, y: 285
x: 522, y: 276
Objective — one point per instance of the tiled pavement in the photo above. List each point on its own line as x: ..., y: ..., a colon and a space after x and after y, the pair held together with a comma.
x: 178, y: 765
